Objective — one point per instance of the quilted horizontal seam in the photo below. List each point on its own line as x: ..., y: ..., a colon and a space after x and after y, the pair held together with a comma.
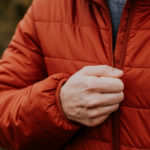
x: 80, y: 26
x: 72, y: 60
x: 139, y: 148
x: 84, y: 61
x: 140, y: 29
x: 98, y: 140
x: 137, y: 67
x: 71, y: 24
x: 134, y: 107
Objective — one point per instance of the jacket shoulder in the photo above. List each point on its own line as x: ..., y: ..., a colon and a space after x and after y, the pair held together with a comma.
x: 51, y: 10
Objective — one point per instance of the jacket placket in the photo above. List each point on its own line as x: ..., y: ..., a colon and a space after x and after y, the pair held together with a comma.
x: 118, y: 55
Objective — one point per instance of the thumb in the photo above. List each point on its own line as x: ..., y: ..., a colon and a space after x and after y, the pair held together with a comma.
x: 102, y: 70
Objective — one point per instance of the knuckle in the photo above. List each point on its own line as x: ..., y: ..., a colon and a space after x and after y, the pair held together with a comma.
x: 99, y: 121
x: 89, y: 115
x: 88, y: 123
x: 101, y: 100
x: 104, y: 69
x: 87, y: 104
x: 94, y: 102
x: 88, y: 84
x: 92, y: 114
x: 92, y: 123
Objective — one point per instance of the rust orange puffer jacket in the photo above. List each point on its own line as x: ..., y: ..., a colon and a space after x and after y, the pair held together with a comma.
x: 55, y: 39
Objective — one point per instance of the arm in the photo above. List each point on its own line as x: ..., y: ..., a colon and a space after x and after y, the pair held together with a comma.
x: 30, y: 113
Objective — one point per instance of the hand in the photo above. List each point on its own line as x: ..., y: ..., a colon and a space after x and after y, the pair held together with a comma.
x: 92, y: 94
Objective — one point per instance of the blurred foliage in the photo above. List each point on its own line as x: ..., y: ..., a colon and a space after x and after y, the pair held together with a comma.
x: 11, y: 11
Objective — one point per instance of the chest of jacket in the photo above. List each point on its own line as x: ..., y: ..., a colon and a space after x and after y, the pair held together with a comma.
x: 79, y: 33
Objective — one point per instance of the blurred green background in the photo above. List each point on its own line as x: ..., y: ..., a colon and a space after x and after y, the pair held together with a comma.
x: 11, y: 11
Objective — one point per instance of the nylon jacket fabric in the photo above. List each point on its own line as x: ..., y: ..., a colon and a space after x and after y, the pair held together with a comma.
x: 55, y: 39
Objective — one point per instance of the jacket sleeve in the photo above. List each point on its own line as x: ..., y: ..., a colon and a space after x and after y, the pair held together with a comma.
x: 30, y: 111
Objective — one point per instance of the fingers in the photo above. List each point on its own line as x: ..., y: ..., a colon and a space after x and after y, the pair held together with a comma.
x: 94, y: 117
x: 97, y: 99
x: 94, y: 122
x: 104, y: 84
x: 102, y: 70
x: 101, y: 111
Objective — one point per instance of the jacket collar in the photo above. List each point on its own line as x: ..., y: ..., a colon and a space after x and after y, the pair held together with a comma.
x: 97, y: 1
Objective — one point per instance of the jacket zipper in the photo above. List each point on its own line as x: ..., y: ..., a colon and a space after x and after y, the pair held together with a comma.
x: 119, y: 59
x: 118, y: 63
